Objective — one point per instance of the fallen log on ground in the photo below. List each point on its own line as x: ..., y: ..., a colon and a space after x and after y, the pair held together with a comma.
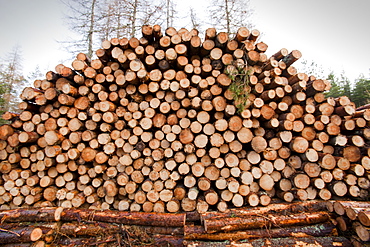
x: 317, y: 230
x: 268, y: 221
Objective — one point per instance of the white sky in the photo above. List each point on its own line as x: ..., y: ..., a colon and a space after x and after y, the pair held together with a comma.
x: 36, y: 26
x: 334, y: 34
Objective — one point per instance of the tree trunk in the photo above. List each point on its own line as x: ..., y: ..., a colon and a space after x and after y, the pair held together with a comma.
x: 239, y: 223
x: 318, y: 230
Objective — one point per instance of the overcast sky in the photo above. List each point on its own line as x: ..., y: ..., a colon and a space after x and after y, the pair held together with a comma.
x: 36, y: 26
x: 334, y: 34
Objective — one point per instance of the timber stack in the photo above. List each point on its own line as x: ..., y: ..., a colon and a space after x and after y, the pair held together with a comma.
x: 353, y: 220
x: 173, y: 123
x: 279, y: 224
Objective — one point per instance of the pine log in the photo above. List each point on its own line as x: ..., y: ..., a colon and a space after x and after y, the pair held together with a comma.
x: 318, y: 230
x: 136, y: 218
x: 21, y: 234
x: 29, y: 215
x: 276, y: 208
x: 237, y: 223
x: 363, y: 217
x: 362, y: 232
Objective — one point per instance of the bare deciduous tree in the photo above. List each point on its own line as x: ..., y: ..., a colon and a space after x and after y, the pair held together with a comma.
x: 147, y: 12
x: 195, y: 22
x: 229, y: 15
x: 170, y: 13
x: 83, y: 19
x: 97, y: 20
x: 114, y: 22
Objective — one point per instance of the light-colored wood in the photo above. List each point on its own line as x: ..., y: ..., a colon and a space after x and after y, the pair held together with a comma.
x: 153, y: 124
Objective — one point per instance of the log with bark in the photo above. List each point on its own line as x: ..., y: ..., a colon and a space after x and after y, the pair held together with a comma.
x: 253, y: 222
x: 61, y: 232
x: 317, y: 230
x: 73, y: 214
x: 352, y: 219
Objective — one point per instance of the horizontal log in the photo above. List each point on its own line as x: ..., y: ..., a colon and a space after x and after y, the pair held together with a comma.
x: 135, y: 218
x: 56, y: 214
x: 318, y: 230
x: 243, y: 223
x: 28, y: 215
x: 21, y: 234
x: 276, y: 208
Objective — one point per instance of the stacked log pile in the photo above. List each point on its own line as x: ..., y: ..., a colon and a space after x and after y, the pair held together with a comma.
x: 280, y: 224
x: 170, y: 123
x: 353, y: 220
x: 84, y: 227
